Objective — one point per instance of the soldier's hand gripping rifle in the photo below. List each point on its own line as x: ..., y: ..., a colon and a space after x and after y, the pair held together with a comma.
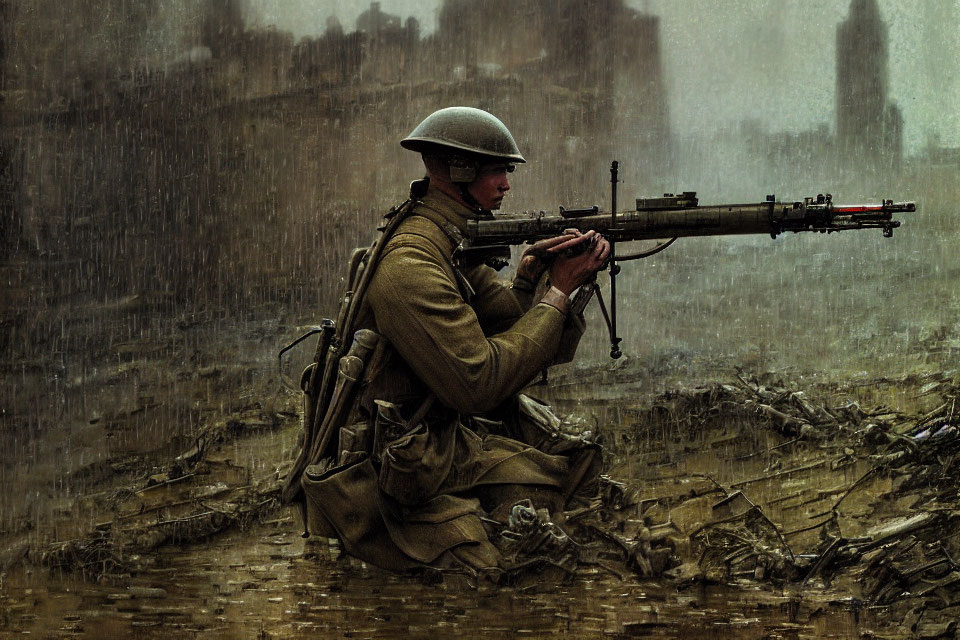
x: 672, y: 217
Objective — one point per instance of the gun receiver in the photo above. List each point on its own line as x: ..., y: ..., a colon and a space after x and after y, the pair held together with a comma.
x: 669, y: 218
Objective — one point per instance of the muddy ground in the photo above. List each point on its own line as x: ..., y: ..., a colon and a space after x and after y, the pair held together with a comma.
x: 140, y: 502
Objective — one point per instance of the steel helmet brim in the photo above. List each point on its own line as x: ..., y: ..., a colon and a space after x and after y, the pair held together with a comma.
x: 464, y: 129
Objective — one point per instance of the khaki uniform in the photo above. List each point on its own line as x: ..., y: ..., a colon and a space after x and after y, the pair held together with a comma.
x: 463, y: 343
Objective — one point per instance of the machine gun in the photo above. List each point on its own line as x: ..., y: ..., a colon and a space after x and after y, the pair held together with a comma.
x: 669, y: 218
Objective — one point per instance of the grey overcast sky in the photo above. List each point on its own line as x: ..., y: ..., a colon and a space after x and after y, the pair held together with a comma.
x: 767, y: 60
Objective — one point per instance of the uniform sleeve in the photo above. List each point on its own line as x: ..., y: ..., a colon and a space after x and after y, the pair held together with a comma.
x: 497, y: 304
x: 419, y: 308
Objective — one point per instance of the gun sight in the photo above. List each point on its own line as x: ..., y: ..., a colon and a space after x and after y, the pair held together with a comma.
x: 669, y: 202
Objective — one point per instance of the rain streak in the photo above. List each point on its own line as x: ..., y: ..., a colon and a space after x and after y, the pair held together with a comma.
x: 182, y: 184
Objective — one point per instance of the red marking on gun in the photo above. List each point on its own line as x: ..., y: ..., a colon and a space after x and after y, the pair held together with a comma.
x: 858, y: 208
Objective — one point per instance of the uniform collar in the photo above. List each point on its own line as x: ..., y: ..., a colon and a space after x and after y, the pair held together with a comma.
x: 440, y: 208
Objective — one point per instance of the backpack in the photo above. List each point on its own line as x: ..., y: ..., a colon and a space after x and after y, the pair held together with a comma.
x: 328, y: 384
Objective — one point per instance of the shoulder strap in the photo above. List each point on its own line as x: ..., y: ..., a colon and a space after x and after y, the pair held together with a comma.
x: 354, y: 298
x: 422, y: 227
x: 450, y: 233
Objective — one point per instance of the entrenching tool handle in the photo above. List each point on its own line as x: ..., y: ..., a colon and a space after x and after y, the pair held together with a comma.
x: 349, y: 371
x: 315, y: 402
x: 325, y: 392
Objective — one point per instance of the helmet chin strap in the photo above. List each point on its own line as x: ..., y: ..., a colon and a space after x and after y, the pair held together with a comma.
x: 463, y: 171
x: 458, y: 172
x: 463, y: 188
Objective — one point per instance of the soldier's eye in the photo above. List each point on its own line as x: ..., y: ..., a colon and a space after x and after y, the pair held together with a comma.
x: 496, y: 169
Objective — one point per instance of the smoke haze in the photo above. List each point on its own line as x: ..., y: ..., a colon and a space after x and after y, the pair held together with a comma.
x: 771, y: 60
x: 225, y: 156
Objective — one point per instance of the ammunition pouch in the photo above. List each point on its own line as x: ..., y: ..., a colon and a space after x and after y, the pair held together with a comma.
x: 389, y: 426
x: 356, y: 442
x: 414, y: 466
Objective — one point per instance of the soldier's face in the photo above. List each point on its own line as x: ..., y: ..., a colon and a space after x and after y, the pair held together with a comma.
x: 491, y: 185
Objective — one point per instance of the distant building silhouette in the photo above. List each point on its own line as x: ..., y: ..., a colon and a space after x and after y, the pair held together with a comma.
x: 869, y: 127
x: 604, y: 50
x: 374, y: 20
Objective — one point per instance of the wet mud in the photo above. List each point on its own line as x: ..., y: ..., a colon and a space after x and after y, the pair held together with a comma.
x: 269, y: 583
x: 181, y: 536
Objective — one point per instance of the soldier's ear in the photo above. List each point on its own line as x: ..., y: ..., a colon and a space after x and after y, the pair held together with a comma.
x: 436, y: 166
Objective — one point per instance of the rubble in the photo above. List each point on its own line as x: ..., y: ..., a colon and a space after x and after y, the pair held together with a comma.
x: 813, y: 491
x: 741, y: 542
x: 904, y: 557
x: 531, y: 537
x: 199, y: 494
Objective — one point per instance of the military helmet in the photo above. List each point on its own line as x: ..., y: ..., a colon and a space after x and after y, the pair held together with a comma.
x: 459, y: 129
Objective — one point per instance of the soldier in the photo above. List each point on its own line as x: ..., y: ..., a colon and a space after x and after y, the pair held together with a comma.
x: 440, y: 445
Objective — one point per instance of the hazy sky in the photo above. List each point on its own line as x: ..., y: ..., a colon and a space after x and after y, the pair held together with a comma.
x: 770, y: 60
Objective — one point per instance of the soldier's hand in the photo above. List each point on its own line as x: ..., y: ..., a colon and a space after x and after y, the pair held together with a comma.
x: 538, y: 256
x: 569, y: 272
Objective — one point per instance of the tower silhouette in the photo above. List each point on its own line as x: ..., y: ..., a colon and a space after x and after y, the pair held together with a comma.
x: 869, y: 127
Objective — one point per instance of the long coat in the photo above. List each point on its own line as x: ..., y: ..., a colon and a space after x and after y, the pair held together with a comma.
x: 463, y: 343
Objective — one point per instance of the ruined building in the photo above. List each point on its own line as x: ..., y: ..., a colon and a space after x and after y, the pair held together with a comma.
x: 604, y: 55
x: 869, y: 127
x: 603, y: 49
x: 230, y: 166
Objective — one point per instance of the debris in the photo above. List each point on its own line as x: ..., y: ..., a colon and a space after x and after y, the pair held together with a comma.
x: 531, y: 537
x: 741, y: 542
